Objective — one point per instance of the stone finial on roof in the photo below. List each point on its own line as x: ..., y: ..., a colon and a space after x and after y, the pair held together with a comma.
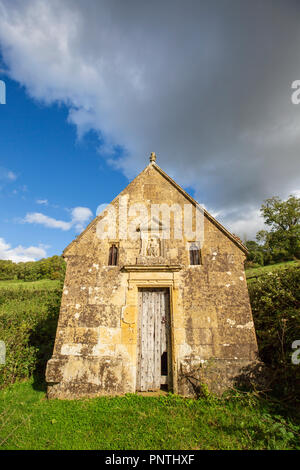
x: 152, y: 157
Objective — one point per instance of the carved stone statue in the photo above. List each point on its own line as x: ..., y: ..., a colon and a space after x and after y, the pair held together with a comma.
x: 153, y: 247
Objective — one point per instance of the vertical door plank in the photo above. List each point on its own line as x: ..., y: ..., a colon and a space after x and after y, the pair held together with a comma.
x: 168, y: 340
x: 156, y: 358
x: 139, y: 352
x: 144, y: 342
x: 151, y: 340
x: 163, y: 324
x: 147, y: 339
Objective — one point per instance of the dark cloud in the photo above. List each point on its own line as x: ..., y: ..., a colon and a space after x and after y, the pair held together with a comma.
x: 204, y: 84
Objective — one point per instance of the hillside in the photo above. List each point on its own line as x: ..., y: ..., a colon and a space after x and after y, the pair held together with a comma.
x: 255, y: 273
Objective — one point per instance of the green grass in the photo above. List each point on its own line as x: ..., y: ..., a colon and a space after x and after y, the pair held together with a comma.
x: 29, y: 421
x: 35, y: 285
x: 254, y: 273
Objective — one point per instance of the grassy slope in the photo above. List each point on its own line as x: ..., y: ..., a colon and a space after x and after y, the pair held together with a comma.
x: 29, y: 421
x: 254, y: 273
x: 32, y: 304
x: 42, y: 284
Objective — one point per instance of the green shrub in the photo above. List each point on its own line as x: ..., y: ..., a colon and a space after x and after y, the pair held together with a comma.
x: 258, y: 258
x: 28, y: 320
x: 275, y: 301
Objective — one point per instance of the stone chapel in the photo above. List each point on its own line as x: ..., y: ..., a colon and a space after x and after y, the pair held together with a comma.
x: 155, y: 298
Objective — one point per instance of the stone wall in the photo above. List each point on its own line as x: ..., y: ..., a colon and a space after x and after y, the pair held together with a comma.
x: 96, y: 340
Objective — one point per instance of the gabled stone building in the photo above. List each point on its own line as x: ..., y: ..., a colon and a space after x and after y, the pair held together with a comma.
x: 155, y: 297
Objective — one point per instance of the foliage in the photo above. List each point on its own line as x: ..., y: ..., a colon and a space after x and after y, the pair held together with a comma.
x: 28, y: 319
x: 282, y: 242
x: 46, y: 268
x: 256, y: 254
x: 284, y: 219
x: 275, y: 301
x: 28, y: 421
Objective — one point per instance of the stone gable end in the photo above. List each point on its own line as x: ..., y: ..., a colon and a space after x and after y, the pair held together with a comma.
x: 152, y: 320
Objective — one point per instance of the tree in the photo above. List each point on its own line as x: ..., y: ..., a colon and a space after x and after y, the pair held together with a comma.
x: 46, y: 268
x: 256, y: 252
x: 284, y: 219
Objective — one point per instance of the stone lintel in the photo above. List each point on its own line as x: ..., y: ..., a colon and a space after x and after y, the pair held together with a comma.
x: 151, y: 267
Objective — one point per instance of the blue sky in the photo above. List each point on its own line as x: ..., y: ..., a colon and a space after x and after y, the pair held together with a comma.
x: 47, y: 169
x: 94, y: 87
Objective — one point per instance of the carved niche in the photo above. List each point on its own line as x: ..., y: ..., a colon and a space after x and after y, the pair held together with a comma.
x: 151, y: 243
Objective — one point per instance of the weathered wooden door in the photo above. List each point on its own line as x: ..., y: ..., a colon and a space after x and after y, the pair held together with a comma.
x: 154, y: 351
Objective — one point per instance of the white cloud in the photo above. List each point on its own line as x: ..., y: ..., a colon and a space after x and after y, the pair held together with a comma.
x: 7, y: 175
x: 296, y: 193
x: 79, y: 218
x: 20, y: 253
x: 42, y: 219
x: 101, y: 208
x: 42, y: 202
x: 247, y: 225
x: 11, y: 176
